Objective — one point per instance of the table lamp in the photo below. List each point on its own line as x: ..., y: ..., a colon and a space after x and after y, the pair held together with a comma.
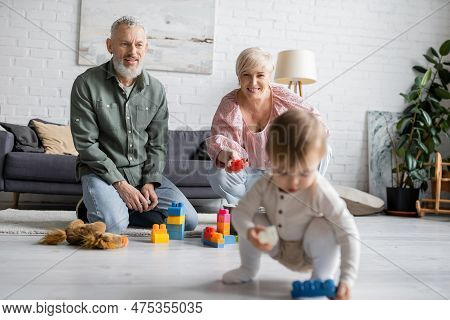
x: 296, y: 67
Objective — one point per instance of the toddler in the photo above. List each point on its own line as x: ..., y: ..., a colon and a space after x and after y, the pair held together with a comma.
x: 315, y: 229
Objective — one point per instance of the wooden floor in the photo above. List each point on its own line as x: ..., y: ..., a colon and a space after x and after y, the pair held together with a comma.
x: 402, y: 258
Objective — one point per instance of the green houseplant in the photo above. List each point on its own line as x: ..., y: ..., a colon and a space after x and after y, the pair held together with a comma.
x: 419, y: 130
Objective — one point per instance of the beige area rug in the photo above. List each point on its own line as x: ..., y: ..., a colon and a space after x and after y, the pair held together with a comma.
x: 37, y: 222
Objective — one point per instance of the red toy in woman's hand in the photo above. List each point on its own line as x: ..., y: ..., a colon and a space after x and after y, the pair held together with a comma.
x: 238, y: 165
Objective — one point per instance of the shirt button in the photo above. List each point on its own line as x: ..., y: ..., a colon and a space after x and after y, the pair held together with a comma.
x: 131, y: 145
x: 130, y: 158
x: 77, y: 120
x: 146, y: 108
x: 129, y: 131
x: 279, y: 226
x: 280, y: 211
x: 128, y: 118
x: 107, y: 105
x: 281, y: 197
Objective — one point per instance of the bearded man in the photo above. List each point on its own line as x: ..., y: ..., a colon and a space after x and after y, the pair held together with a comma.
x: 118, y: 118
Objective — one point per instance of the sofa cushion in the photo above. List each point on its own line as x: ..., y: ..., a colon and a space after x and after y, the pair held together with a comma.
x: 185, y: 145
x: 25, y: 139
x: 55, y: 138
x: 188, y: 173
x: 40, y: 167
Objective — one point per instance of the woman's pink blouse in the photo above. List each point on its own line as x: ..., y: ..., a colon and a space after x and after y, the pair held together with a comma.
x: 229, y: 131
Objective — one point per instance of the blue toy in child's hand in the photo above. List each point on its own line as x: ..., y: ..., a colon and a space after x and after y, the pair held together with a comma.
x: 313, y: 288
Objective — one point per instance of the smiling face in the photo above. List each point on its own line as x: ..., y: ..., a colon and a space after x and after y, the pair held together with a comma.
x: 128, y: 45
x: 255, y: 83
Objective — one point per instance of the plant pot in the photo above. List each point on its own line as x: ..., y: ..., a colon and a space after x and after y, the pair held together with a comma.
x: 402, y: 201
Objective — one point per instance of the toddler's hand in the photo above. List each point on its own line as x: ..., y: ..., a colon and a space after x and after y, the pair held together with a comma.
x: 343, y: 292
x: 252, y: 236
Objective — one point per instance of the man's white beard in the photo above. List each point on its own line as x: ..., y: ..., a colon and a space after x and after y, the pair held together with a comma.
x: 129, y: 73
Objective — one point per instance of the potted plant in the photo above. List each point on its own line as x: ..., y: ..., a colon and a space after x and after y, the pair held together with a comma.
x: 418, y: 131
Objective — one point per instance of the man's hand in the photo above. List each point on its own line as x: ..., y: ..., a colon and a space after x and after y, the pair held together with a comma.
x: 343, y: 292
x: 252, y: 236
x: 148, y: 191
x: 131, y: 196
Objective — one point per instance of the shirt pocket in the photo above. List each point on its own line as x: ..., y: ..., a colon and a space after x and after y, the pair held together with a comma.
x: 144, y: 115
x: 108, y: 116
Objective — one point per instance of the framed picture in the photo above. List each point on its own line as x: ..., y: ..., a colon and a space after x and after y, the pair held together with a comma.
x: 180, y: 32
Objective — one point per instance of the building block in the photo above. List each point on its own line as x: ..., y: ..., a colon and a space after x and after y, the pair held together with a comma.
x: 176, y: 231
x: 223, y: 228
x: 313, y: 288
x: 269, y: 236
x: 230, y: 239
x: 230, y: 208
x: 176, y: 219
x: 237, y: 165
x: 176, y: 209
x: 212, y: 238
x: 213, y: 244
x: 159, y: 234
x: 223, y: 216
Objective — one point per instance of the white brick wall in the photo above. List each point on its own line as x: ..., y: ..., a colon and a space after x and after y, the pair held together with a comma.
x: 37, y: 71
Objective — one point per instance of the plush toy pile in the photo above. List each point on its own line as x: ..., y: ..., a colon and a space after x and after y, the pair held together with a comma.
x: 92, y: 235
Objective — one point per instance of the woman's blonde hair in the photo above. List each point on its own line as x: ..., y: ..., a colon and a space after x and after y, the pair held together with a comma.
x: 293, y: 136
x: 253, y: 58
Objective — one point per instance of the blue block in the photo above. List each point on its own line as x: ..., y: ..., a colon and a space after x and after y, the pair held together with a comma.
x: 313, y: 288
x: 176, y: 209
x: 176, y: 231
x: 230, y: 239
x: 212, y: 244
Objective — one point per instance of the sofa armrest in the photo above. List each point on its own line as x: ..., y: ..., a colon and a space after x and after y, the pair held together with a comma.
x: 6, y: 146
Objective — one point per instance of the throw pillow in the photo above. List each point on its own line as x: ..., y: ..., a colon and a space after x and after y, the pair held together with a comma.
x: 57, y: 139
x: 360, y: 203
x: 25, y: 139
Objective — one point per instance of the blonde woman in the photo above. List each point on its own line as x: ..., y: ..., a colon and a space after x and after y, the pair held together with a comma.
x: 240, y: 125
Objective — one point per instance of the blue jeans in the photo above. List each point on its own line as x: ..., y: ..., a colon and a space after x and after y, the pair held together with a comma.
x: 233, y: 186
x: 104, y: 204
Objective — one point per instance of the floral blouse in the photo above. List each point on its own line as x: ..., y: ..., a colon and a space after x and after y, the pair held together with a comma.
x: 230, y: 132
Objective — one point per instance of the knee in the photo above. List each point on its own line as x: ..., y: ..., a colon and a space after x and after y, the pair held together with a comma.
x: 320, y: 237
x: 222, y: 181
x: 116, y: 222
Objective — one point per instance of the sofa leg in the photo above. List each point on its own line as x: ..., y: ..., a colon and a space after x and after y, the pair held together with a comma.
x: 16, y: 196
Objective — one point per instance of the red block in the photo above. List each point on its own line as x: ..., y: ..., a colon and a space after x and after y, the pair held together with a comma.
x: 238, y: 165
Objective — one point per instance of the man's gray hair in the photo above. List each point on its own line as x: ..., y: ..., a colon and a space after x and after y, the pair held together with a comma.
x: 129, y: 21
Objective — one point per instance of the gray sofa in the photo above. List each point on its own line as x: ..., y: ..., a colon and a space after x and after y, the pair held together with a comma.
x: 27, y: 172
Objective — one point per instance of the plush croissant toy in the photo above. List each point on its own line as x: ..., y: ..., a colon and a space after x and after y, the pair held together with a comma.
x: 89, y: 236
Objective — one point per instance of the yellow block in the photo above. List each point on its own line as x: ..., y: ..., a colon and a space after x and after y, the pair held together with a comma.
x: 160, y: 238
x: 176, y: 219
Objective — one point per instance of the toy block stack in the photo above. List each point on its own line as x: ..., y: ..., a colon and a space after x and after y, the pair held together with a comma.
x: 159, y: 234
x: 221, y: 237
x: 223, y: 222
x: 175, y: 221
x: 212, y: 238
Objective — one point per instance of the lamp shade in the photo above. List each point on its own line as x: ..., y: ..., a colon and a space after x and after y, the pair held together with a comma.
x: 296, y: 65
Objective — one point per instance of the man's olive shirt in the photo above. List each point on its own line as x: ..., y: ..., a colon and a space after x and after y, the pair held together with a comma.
x: 119, y: 138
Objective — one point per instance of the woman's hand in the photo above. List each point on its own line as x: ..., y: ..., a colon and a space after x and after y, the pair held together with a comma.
x: 252, y: 236
x: 343, y: 292
x: 230, y: 157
